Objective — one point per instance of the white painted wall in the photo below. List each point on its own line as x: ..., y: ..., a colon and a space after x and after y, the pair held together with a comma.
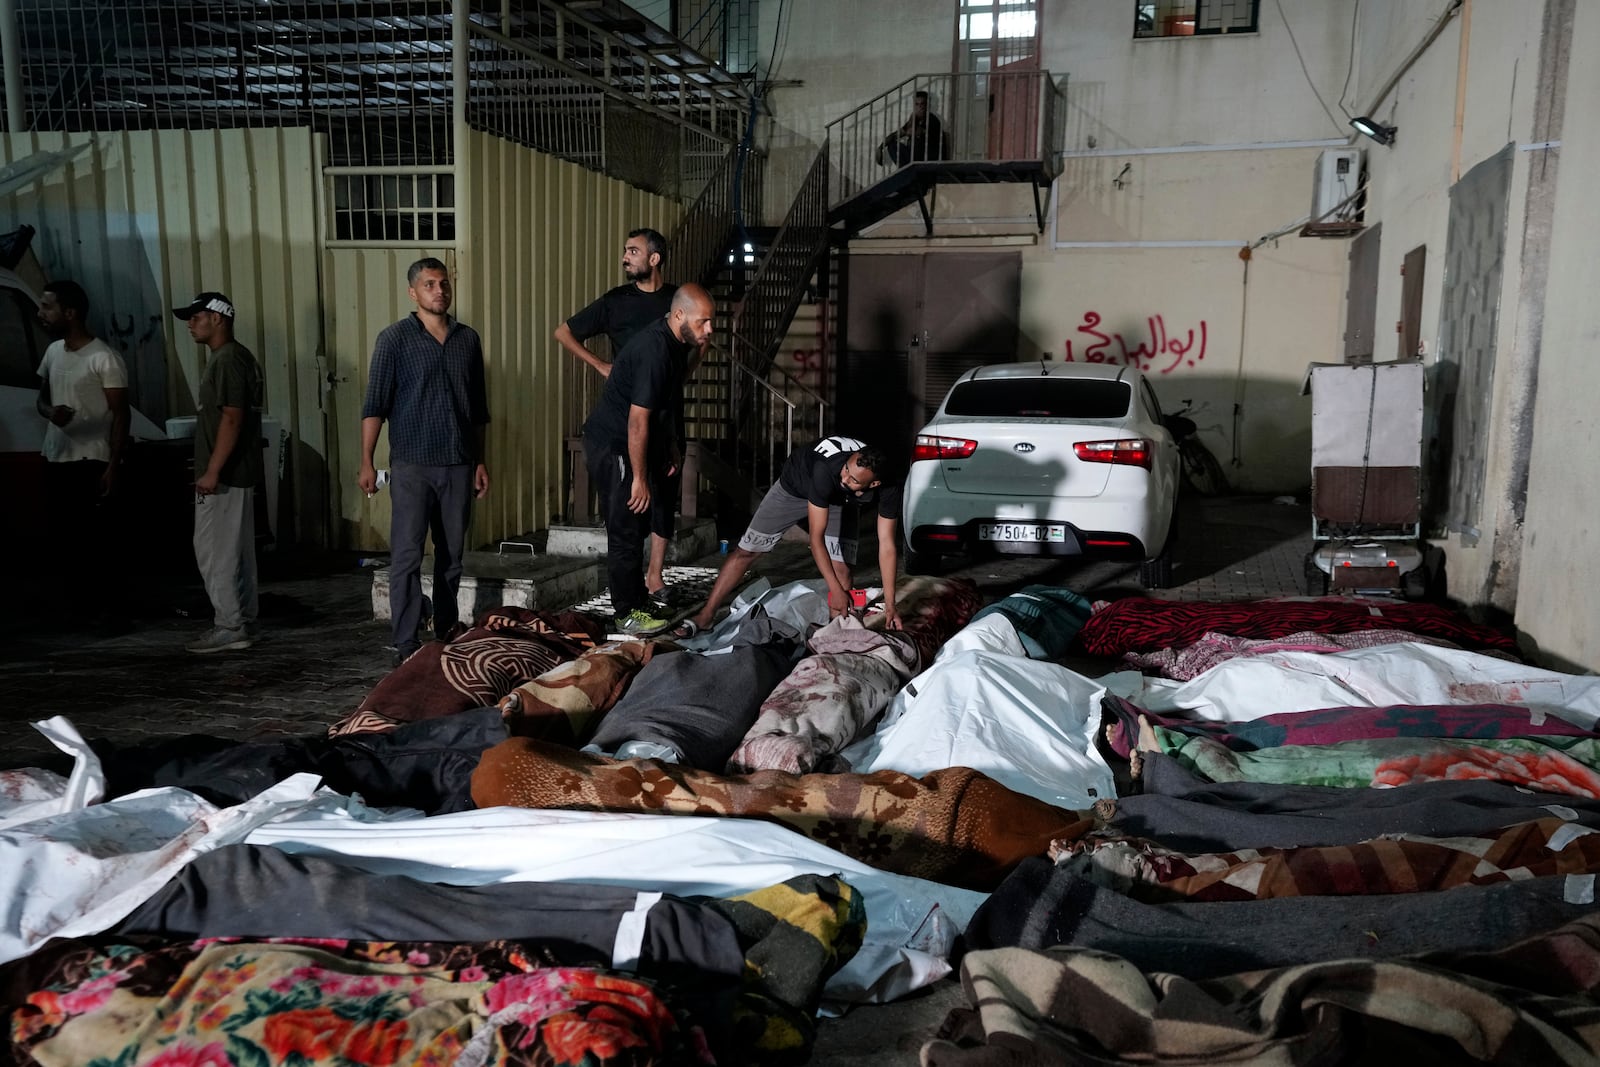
x: 1556, y: 607
x: 1495, y: 82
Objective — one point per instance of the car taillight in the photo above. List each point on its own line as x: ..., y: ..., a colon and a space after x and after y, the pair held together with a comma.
x: 1135, y: 452
x: 929, y: 446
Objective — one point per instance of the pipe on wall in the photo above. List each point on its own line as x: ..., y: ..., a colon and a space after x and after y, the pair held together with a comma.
x: 11, y: 60
x: 1461, y: 90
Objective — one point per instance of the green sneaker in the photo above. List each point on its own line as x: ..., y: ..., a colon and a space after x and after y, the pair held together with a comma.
x: 640, y: 623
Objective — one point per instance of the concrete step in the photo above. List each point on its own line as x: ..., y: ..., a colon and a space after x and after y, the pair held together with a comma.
x: 571, y: 569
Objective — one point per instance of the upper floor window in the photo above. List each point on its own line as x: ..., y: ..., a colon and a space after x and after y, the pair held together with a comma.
x: 1186, y: 18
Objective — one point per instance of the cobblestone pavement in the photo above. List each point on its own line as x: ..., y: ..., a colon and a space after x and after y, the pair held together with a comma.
x: 320, y: 650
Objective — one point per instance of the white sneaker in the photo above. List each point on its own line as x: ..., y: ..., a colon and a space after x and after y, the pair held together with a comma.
x: 218, y: 640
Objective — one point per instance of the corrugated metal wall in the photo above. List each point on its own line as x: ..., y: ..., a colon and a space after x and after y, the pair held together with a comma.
x: 545, y: 238
x: 147, y: 218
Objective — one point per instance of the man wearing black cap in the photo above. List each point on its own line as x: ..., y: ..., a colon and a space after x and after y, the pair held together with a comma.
x: 227, y: 469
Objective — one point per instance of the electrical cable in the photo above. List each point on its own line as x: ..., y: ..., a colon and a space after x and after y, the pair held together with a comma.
x: 1350, y: 65
x: 1303, y: 69
x: 772, y: 59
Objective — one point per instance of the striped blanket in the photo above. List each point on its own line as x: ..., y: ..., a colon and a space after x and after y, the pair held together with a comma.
x: 1531, y: 1003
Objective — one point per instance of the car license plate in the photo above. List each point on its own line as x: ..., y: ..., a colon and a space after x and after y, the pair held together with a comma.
x: 1036, y: 533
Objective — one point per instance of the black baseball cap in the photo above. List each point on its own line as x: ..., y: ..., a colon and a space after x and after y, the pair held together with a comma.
x: 206, y: 302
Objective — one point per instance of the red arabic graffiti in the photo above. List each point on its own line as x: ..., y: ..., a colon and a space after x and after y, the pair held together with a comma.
x: 1114, y: 348
x: 810, y: 361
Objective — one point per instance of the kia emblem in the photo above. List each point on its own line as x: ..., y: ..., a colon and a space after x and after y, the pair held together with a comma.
x: 1023, y: 446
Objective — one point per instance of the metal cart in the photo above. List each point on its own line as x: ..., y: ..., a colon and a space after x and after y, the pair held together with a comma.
x: 1366, y: 481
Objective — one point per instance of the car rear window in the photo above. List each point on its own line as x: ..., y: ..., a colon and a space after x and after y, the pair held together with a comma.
x: 1041, y: 398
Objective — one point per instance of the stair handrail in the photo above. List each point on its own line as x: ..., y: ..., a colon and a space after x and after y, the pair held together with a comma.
x: 762, y: 317
x: 791, y: 384
x: 761, y: 451
x: 700, y: 239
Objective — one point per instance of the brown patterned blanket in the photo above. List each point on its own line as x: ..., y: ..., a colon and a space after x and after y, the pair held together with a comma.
x: 566, y: 703
x: 507, y: 647
x: 954, y: 826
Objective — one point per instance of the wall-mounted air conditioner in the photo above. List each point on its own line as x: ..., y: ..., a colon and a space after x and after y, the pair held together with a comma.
x: 1338, y: 176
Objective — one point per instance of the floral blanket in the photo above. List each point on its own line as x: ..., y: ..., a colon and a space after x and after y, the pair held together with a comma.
x: 507, y: 647
x: 1191, y: 661
x: 220, y: 1003
x: 955, y: 826
x: 828, y: 699
x: 1327, y: 726
x: 834, y: 695
x: 1398, y: 863
x: 1553, y: 764
x: 223, y: 1002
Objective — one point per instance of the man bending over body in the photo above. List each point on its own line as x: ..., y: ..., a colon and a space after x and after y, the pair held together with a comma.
x: 816, y: 485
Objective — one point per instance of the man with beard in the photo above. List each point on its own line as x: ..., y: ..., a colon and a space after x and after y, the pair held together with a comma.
x: 628, y: 444
x: 426, y: 380
x: 83, y: 394
x: 619, y: 314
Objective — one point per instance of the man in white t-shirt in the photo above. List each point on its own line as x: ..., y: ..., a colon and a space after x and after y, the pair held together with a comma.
x: 83, y: 394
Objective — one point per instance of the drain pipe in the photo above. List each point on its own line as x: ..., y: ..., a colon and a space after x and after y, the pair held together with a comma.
x: 1411, y: 58
x: 11, y: 60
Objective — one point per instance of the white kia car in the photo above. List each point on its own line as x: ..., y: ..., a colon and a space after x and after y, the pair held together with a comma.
x: 1043, y: 458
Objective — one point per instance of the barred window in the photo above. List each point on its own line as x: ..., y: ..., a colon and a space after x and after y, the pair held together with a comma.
x: 1187, y: 18
x: 384, y: 204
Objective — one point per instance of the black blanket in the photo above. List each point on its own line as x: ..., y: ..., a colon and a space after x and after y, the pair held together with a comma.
x: 1041, y: 905
x: 1190, y: 814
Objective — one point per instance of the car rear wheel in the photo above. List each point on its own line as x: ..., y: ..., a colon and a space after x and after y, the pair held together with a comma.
x: 1156, y: 573
x: 923, y: 563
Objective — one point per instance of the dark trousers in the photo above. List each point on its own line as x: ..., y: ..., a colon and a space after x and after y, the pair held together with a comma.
x: 424, y: 500
x: 612, y: 476
x: 83, y: 538
x: 664, y: 493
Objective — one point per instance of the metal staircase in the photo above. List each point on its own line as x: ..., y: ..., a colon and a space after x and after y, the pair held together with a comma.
x: 996, y: 126
x: 745, y: 411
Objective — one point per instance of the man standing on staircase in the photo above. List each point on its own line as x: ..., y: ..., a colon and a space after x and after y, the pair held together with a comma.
x: 620, y: 313
x: 629, y: 444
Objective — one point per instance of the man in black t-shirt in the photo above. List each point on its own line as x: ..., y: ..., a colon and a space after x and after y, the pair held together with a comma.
x: 620, y: 313
x: 628, y: 444
x: 816, y: 485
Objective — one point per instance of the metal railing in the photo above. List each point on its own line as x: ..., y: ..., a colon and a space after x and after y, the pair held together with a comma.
x: 990, y: 117
x: 702, y: 237
x: 764, y: 418
x: 773, y: 421
x: 763, y: 316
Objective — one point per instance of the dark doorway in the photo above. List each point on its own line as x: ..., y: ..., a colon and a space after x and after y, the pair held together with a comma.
x: 913, y: 325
